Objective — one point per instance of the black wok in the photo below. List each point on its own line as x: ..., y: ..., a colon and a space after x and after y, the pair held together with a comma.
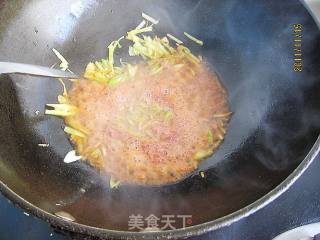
x: 271, y: 140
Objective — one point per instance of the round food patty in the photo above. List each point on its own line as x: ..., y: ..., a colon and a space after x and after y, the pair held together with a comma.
x: 154, y: 128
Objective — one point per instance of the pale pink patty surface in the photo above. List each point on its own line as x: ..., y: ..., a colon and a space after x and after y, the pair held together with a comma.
x: 152, y: 128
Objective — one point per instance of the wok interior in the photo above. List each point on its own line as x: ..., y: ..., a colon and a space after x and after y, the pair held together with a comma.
x: 248, y: 44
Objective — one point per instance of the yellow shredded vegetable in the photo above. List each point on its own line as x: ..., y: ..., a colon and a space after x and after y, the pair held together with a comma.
x: 74, y: 132
x: 64, y: 65
x: 174, y: 38
x: 150, y: 48
x: 99, y: 72
x: 202, y: 154
x: 186, y: 51
x: 62, y: 110
x: 149, y: 18
x: 114, y: 183
x: 141, y: 25
x: 65, y: 93
x: 143, y: 46
x: 192, y: 38
x: 132, y: 34
x: 112, y: 48
x: 168, y: 116
x: 96, y: 153
x: 222, y: 115
x: 57, y: 113
x: 73, y: 123
x: 210, y: 137
x: 62, y: 99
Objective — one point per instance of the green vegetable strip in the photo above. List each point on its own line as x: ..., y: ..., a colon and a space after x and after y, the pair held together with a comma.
x: 174, y: 39
x: 64, y: 63
x: 210, y: 137
x: 114, y: 183
x: 58, y: 113
x: 111, y: 49
x: 150, y: 19
x: 74, y: 132
x: 193, y: 38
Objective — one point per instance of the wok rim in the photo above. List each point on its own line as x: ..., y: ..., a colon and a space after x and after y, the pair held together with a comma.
x: 191, y: 231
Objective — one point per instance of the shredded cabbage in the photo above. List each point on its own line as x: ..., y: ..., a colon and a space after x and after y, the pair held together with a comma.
x: 202, y: 154
x: 62, y: 110
x: 62, y: 99
x: 131, y: 35
x: 74, y: 132
x: 210, y: 137
x: 193, y: 38
x: 112, y: 48
x: 71, y: 122
x: 222, y: 115
x: 150, y: 19
x: 64, y: 65
x: 114, y: 183
x: 65, y: 93
x: 141, y: 25
x: 168, y: 116
x: 174, y: 38
x: 147, y: 47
